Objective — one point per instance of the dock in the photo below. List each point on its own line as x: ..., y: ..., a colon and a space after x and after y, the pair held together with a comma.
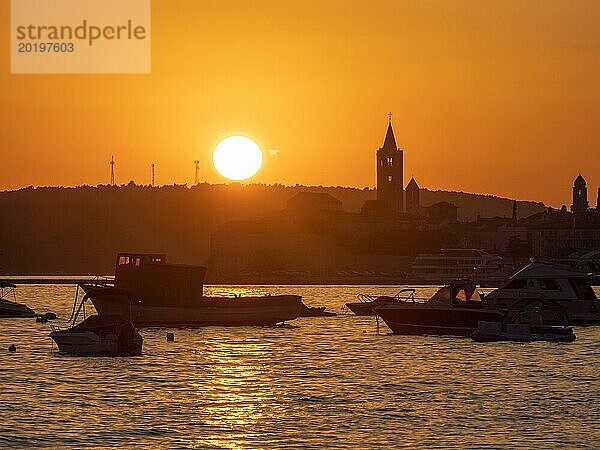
x: 73, y: 280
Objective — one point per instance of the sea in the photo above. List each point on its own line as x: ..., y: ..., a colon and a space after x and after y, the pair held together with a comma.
x: 335, y: 382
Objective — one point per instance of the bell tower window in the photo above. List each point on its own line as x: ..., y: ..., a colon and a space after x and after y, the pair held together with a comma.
x: 390, y: 161
x: 390, y: 178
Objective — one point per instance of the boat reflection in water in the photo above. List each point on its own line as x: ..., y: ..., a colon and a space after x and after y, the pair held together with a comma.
x: 154, y: 293
x: 455, y: 309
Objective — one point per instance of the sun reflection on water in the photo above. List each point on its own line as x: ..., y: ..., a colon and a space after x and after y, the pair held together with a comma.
x: 328, y: 382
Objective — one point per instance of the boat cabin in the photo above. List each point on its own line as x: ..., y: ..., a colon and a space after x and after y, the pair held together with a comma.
x: 543, y: 280
x: 460, y: 293
x: 149, y: 277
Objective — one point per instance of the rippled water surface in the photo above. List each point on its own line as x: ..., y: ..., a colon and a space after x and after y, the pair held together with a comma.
x: 317, y: 382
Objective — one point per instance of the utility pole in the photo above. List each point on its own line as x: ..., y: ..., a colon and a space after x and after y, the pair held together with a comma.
x: 197, y: 175
x: 152, y: 174
x: 112, y: 170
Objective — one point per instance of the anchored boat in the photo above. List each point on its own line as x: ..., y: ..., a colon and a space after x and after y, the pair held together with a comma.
x: 528, y: 320
x: 366, y: 303
x: 10, y: 308
x: 97, y: 335
x: 154, y: 293
x: 540, y: 280
x: 455, y: 309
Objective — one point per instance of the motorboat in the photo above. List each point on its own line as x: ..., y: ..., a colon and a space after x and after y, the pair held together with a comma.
x: 154, y: 293
x: 10, y: 308
x: 543, y: 280
x: 455, y: 309
x: 366, y: 302
x: 528, y: 320
x: 583, y: 261
x: 97, y: 335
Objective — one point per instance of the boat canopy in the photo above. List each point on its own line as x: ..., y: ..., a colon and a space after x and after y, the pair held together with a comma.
x: 546, y: 270
x: 537, y: 311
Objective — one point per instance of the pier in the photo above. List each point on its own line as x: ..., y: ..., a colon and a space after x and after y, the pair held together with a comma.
x: 59, y: 279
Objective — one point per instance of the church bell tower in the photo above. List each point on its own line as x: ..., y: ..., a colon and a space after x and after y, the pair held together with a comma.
x: 580, y: 201
x: 390, y: 178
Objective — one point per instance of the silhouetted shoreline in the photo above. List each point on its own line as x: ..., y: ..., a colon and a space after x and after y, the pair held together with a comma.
x: 79, y: 230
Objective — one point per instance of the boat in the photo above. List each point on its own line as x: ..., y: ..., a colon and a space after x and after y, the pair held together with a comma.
x: 528, y: 320
x: 546, y: 280
x: 455, y: 309
x: 451, y: 264
x: 97, y: 335
x: 366, y: 302
x: 10, y: 308
x: 583, y: 261
x: 154, y: 293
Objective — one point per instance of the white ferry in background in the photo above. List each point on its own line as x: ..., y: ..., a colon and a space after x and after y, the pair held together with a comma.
x: 459, y: 264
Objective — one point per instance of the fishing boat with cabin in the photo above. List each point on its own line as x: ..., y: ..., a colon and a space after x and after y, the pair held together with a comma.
x: 154, y: 293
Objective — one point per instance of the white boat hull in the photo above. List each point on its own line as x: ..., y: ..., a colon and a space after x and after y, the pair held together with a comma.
x: 90, y: 344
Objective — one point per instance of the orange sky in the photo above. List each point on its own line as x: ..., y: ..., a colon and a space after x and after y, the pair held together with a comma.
x: 498, y: 97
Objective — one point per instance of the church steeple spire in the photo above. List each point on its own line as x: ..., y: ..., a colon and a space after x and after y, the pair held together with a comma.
x: 389, y: 142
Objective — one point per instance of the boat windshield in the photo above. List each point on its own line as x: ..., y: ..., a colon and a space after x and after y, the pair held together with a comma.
x: 465, y: 295
x: 6, y: 290
x: 460, y: 292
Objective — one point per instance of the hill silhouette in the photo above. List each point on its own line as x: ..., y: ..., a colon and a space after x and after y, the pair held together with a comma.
x: 56, y: 230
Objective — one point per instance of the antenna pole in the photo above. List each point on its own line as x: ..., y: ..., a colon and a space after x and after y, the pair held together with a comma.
x: 197, y: 173
x: 152, y: 174
x: 112, y: 170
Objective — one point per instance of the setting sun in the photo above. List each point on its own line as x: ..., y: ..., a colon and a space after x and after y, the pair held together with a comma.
x: 237, y: 158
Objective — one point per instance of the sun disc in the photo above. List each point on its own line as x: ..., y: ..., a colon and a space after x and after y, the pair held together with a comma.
x: 237, y: 158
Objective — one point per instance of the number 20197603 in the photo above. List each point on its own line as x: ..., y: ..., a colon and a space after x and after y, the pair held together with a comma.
x: 45, y: 47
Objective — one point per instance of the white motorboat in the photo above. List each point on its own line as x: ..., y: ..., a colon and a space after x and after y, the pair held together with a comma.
x: 99, y: 336
x: 107, y: 335
x: 541, y: 280
x: 366, y: 303
x: 528, y: 320
x: 10, y: 308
